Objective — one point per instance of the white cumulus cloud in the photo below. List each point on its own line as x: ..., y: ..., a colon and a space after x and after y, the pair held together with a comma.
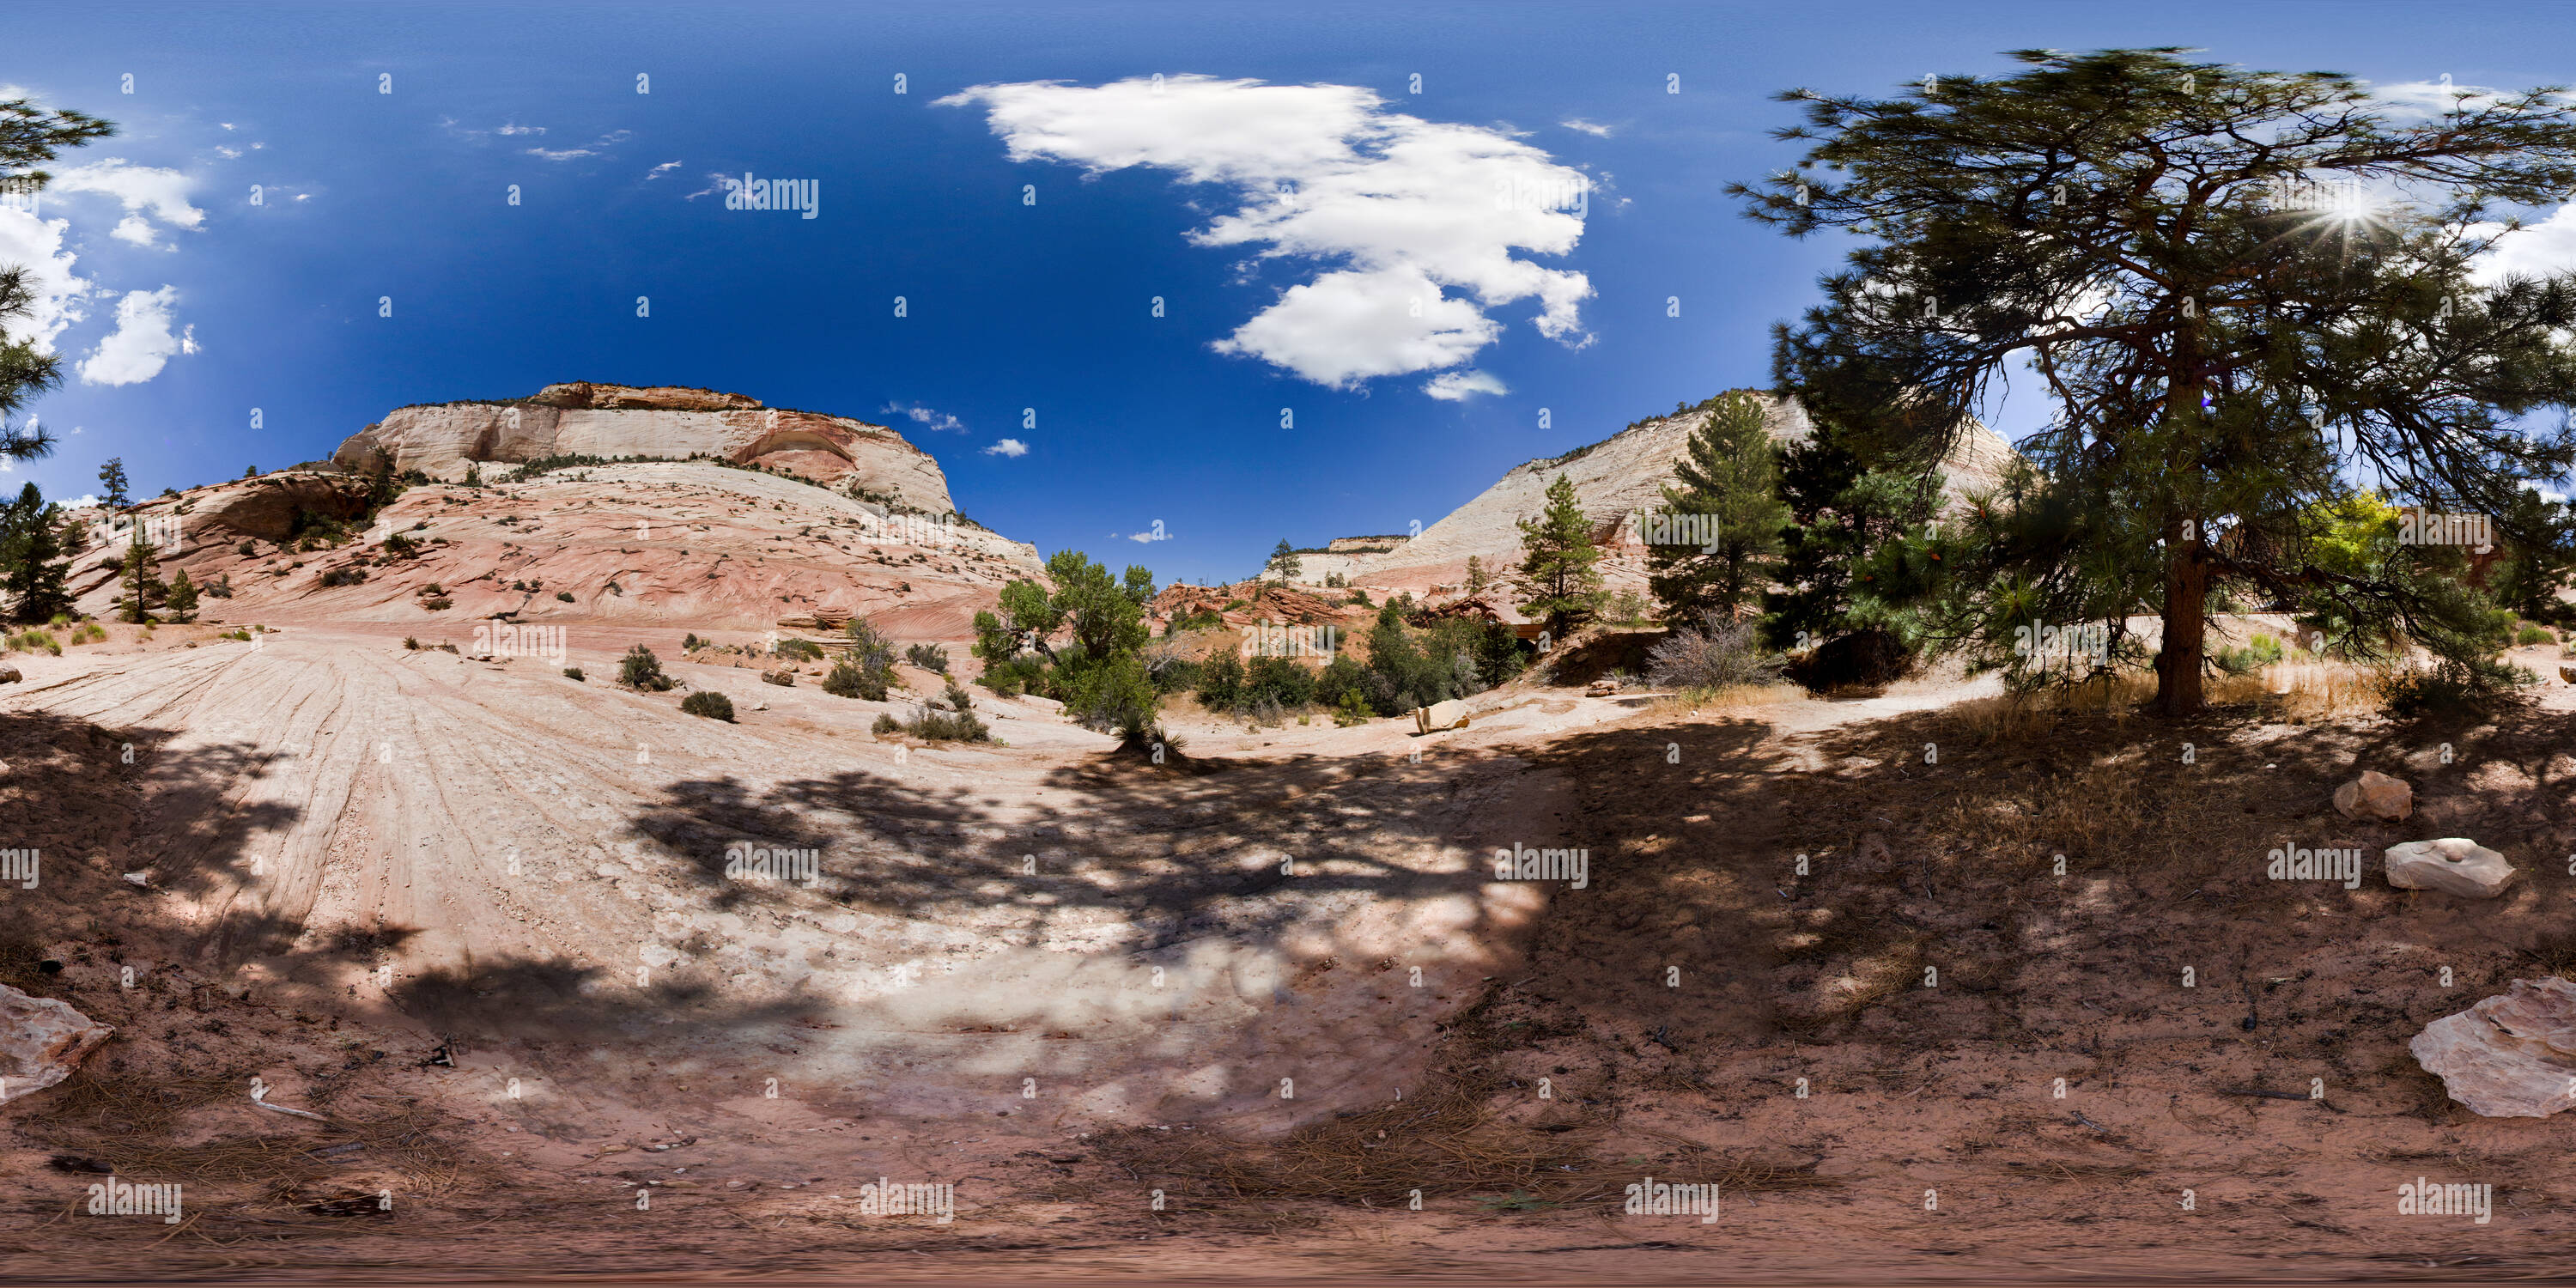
x: 141, y: 189
x: 1008, y: 447
x: 1395, y: 211
x: 2540, y: 249
x: 36, y: 245
x: 141, y: 343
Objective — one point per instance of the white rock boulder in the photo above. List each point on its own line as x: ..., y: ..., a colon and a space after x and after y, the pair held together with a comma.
x: 2510, y: 1056
x: 41, y: 1040
x: 2375, y: 795
x: 1440, y: 715
x: 2453, y: 865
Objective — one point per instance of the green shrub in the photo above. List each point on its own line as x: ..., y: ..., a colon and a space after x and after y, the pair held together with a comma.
x: 410, y: 645
x: 1353, y: 710
x: 1220, y: 684
x: 640, y: 670
x: 801, y: 650
x: 2535, y: 635
x: 2259, y: 652
x: 710, y: 704
x: 866, y: 669
x: 574, y: 673
x: 1112, y: 695
x: 886, y: 723
x: 398, y: 546
x: 349, y: 576
x: 1277, y: 681
x: 564, y: 595
x: 247, y: 548
x: 2451, y: 687
x: 929, y: 657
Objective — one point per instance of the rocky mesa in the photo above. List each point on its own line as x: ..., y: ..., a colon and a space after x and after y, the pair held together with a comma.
x: 861, y: 460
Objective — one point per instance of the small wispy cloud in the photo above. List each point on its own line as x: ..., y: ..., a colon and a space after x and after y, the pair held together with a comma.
x: 516, y: 128
x: 937, y: 421
x: 1156, y: 533
x: 1459, y: 386
x: 660, y: 170
x: 1008, y: 447
x: 608, y: 140
x: 1579, y: 124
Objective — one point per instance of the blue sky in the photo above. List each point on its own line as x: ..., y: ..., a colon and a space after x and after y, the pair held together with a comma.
x: 1257, y: 212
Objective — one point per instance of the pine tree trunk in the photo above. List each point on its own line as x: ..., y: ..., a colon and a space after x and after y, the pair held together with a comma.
x: 2178, y: 664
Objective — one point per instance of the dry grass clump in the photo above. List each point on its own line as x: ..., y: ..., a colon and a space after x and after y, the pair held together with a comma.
x: 2291, y: 692
x: 1729, y: 697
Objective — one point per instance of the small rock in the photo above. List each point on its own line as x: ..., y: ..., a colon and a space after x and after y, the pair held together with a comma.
x: 40, y: 1041
x: 2453, y: 865
x: 2567, y: 673
x: 139, y: 880
x: 9, y: 675
x: 2375, y: 795
x: 2510, y: 1056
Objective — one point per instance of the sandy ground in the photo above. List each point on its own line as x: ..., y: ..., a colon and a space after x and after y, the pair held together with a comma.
x: 476, y: 914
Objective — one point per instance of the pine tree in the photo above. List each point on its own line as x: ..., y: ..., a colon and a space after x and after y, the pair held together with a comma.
x: 1556, y: 578
x: 1838, y: 585
x: 30, y: 135
x: 1475, y: 576
x: 111, y: 482
x: 142, y: 578
x: 1728, y: 473
x: 183, y: 598
x: 32, y: 567
x: 1284, y: 561
x: 2227, y: 339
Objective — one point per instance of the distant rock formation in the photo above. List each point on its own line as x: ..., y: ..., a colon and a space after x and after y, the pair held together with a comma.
x: 444, y: 440
x: 1614, y: 479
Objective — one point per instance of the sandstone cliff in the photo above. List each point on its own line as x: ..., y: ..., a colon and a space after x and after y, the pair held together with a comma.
x: 442, y: 440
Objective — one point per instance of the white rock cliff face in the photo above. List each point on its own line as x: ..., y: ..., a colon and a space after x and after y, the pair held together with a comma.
x: 444, y: 440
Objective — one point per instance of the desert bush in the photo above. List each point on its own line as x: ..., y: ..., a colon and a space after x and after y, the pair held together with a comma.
x: 398, y: 546
x: 709, y: 704
x: 2259, y: 652
x: 640, y: 670
x: 1026, y: 673
x: 1220, y: 681
x: 574, y: 673
x: 1716, y: 654
x: 564, y: 595
x: 1353, y: 709
x: 886, y: 723
x: 1279, y: 681
x: 929, y: 657
x: 866, y: 668
x: 801, y: 650
x: 410, y: 645
x: 221, y: 587
x: 1113, y: 694
x: 2535, y: 635
x: 690, y: 643
x: 349, y: 576
x: 2451, y: 687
